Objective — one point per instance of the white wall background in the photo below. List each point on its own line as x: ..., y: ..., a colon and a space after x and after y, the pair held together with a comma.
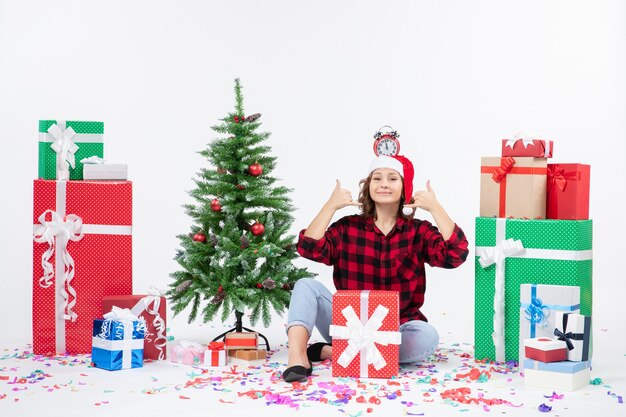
x: 453, y: 77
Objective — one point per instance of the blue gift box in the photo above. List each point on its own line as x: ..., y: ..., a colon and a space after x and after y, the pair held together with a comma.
x: 117, y: 344
x: 566, y: 367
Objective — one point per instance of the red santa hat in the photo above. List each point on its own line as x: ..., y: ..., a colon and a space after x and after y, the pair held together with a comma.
x: 404, y: 167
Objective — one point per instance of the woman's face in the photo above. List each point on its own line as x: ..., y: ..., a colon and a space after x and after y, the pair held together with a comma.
x: 386, y: 186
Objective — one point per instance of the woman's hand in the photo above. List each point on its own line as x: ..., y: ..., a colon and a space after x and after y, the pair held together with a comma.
x: 340, y: 198
x: 425, y: 199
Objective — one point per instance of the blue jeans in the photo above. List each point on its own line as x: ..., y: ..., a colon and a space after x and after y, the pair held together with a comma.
x: 311, y: 306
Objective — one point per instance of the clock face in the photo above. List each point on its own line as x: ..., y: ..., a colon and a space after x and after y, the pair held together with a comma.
x: 387, y: 146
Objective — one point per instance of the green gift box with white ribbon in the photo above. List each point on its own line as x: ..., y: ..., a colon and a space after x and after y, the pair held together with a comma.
x: 63, y: 144
x: 511, y: 252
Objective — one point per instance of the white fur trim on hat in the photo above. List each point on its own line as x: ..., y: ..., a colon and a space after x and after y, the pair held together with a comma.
x: 384, y: 161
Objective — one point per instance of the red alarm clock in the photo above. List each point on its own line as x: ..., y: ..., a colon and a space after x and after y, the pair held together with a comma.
x: 386, y: 142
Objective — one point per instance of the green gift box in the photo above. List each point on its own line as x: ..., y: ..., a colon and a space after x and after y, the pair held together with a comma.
x: 87, y: 138
x: 511, y: 252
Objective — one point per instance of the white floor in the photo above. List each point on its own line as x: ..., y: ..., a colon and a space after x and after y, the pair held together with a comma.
x: 31, y: 386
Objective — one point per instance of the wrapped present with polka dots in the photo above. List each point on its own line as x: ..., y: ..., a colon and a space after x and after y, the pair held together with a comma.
x: 365, y: 331
x: 64, y: 144
x: 512, y: 252
x: 82, y: 252
x: 152, y: 309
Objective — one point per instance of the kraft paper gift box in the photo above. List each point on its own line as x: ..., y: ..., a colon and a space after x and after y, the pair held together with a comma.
x: 365, y: 331
x: 248, y: 354
x: 536, y: 148
x: 241, y: 340
x: 82, y: 252
x: 186, y: 352
x: 575, y: 330
x: 513, y: 187
x: 568, y: 191
x: 105, y: 171
x: 544, y: 349
x: 152, y: 309
x: 68, y: 140
x: 215, y: 355
x: 559, y: 376
x: 511, y: 252
x: 539, y: 308
x: 118, y: 341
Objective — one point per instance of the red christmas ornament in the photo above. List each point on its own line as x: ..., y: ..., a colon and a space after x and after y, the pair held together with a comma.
x: 286, y: 287
x: 215, y: 205
x: 257, y: 229
x: 259, y: 285
x: 255, y: 169
x: 199, y: 237
x: 241, y: 187
x: 236, y: 119
x: 220, y: 289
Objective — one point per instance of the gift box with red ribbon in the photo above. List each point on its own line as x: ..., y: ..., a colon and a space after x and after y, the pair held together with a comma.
x: 150, y: 308
x: 241, y: 340
x: 545, y: 349
x: 82, y: 252
x: 215, y: 355
x: 186, y: 352
x: 513, y: 187
x: 537, y: 148
x: 365, y: 330
x: 568, y: 191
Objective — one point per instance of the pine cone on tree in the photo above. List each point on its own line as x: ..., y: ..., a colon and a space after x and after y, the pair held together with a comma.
x: 269, y: 284
x: 245, y: 242
x: 218, y: 298
x: 183, y: 286
x: 252, y: 117
x: 213, y: 240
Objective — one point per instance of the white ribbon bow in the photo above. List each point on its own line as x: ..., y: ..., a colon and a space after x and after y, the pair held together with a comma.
x: 363, y: 337
x: 59, y: 232
x: 497, y: 255
x: 63, y: 145
x: 525, y: 138
x: 154, y: 300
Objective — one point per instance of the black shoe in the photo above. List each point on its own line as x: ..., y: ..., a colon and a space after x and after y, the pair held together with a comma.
x: 297, y: 373
x: 314, y: 352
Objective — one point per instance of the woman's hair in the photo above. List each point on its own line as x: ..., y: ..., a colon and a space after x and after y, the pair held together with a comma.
x: 368, y: 207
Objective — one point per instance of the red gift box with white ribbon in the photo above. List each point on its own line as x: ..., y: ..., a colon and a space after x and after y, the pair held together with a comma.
x: 82, y: 252
x: 523, y: 146
x: 365, y: 331
x: 151, y: 308
x: 545, y: 349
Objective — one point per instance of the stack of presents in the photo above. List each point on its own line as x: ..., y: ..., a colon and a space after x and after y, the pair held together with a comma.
x: 533, y: 267
x: 82, y: 255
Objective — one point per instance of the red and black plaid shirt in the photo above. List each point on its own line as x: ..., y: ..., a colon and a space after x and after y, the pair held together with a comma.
x: 365, y: 259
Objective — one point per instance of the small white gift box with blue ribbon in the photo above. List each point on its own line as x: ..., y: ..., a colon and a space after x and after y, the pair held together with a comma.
x: 538, y: 307
x: 118, y: 341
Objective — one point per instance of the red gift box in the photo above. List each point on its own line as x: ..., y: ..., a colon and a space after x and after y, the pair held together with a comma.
x: 537, y: 148
x: 366, y: 340
x: 82, y: 252
x: 152, y: 309
x: 546, y: 350
x: 568, y: 191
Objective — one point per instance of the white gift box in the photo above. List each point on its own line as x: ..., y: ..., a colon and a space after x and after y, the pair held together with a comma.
x: 105, y: 171
x: 577, y: 329
x: 538, y: 307
x: 566, y: 376
x: 215, y: 357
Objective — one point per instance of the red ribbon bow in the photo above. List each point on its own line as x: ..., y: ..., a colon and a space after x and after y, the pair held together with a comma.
x: 216, y: 346
x: 556, y: 177
x: 505, y: 167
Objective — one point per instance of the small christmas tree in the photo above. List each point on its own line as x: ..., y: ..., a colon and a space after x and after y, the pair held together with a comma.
x: 239, y: 254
